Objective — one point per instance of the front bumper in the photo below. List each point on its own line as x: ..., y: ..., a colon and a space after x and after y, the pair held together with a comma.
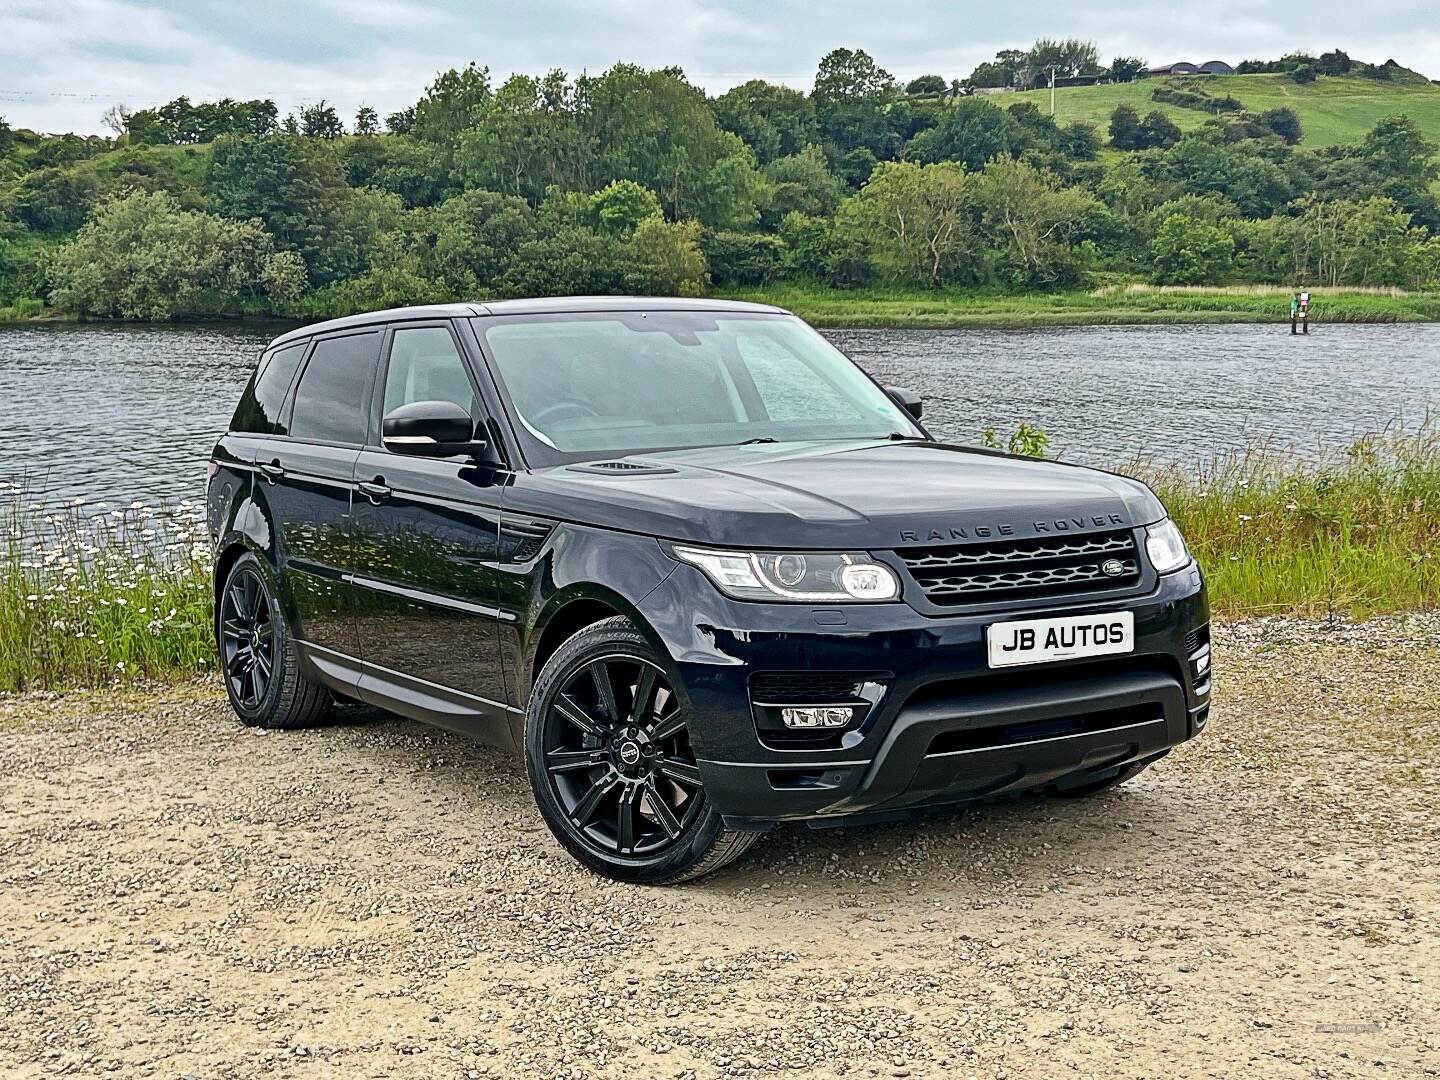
x: 947, y: 728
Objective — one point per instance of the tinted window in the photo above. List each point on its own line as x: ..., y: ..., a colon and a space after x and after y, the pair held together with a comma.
x: 259, y: 409
x: 425, y: 366
x: 332, y: 401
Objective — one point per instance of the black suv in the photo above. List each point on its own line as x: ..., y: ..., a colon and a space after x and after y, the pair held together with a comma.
x: 693, y: 564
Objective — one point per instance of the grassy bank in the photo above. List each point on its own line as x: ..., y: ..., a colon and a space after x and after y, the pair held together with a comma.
x: 1355, y: 534
x: 91, y: 598
x: 1110, y: 305
x: 91, y: 595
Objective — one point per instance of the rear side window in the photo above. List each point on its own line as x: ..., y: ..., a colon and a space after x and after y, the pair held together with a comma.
x: 259, y: 408
x: 332, y: 402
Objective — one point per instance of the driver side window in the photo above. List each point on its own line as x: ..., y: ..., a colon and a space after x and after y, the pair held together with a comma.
x: 426, y: 366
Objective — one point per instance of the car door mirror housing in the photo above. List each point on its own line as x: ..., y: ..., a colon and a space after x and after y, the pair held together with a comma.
x: 431, y: 429
x: 907, y: 399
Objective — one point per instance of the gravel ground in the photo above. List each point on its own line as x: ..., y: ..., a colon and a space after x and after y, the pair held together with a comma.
x: 180, y: 896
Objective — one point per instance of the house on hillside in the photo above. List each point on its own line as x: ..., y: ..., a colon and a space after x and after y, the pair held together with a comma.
x: 1181, y: 68
x: 1184, y: 67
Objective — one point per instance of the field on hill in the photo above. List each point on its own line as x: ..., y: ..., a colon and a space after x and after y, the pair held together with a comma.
x: 1331, y: 109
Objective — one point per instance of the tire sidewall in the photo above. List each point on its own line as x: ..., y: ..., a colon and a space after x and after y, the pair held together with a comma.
x: 610, y: 637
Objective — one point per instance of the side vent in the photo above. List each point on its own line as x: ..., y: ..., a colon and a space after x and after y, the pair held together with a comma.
x: 621, y: 468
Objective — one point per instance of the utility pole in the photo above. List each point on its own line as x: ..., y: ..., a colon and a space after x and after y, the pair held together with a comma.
x: 1052, y: 93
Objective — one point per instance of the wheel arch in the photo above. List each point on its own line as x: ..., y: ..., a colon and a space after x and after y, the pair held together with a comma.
x: 566, y: 614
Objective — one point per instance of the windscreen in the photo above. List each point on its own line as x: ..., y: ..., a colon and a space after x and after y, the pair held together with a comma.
x: 617, y: 382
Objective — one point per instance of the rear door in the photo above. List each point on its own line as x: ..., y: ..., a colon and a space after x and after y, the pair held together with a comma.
x: 427, y: 530
x: 307, y: 476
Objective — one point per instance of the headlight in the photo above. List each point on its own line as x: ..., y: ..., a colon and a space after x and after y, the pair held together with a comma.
x: 807, y: 577
x: 1166, y: 547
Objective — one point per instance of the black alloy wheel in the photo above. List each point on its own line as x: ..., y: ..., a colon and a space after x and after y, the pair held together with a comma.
x: 258, y: 658
x: 608, y: 748
x: 247, y: 638
x: 618, y: 757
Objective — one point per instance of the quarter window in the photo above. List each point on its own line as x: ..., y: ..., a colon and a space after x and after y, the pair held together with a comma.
x: 259, y: 408
x: 332, y: 402
x: 426, y: 366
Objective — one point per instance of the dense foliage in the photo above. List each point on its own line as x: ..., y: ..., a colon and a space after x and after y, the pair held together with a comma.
x: 635, y: 181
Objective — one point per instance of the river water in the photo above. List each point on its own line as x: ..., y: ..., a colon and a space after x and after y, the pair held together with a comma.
x: 122, y: 413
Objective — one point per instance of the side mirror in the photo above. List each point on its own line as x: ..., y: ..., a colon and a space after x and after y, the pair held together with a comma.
x: 908, y: 400
x: 430, y: 429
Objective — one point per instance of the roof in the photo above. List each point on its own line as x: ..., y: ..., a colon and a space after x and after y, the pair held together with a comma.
x: 545, y: 305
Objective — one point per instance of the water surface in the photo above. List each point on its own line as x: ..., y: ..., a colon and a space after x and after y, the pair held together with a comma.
x: 120, y: 413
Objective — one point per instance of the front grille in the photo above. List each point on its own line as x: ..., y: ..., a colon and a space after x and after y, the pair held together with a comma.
x: 806, y: 687
x: 1021, y: 569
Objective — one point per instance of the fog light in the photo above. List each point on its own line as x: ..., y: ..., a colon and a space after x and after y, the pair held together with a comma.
x: 1202, y: 662
x: 822, y: 716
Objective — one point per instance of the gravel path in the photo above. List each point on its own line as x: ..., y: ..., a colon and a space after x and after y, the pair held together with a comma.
x: 182, y: 897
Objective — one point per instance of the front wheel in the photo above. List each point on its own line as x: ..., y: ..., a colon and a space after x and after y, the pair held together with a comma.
x: 607, y: 747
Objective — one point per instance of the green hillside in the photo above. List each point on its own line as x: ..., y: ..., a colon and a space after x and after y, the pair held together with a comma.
x: 1331, y: 109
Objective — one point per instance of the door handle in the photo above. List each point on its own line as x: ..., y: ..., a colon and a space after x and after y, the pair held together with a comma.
x: 272, y: 470
x: 374, y: 490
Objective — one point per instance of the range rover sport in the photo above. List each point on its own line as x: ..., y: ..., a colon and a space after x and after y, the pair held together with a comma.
x: 695, y: 566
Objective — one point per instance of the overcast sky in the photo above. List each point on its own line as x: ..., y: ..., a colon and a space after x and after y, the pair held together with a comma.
x: 63, y: 61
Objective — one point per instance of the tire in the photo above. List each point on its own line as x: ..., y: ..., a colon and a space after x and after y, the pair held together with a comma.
x: 1095, y: 787
x: 258, y: 661
x: 612, y: 770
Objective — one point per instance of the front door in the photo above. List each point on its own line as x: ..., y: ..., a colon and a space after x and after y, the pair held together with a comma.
x: 427, y: 530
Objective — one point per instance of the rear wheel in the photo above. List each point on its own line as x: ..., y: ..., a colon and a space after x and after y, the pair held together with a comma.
x: 257, y: 655
x: 607, y: 747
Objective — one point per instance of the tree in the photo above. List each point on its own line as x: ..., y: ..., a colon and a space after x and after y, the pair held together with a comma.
x: 472, y: 239
x: 916, y: 221
x: 1335, y: 62
x: 1065, y: 58
x: 803, y: 183
x: 1303, y: 73
x: 654, y: 127
x: 1157, y: 130
x: 1285, y: 123
x: 144, y: 257
x: 1188, y: 251
x: 526, y: 138
x: 1345, y: 242
x: 1397, y: 146
x: 622, y: 205
x: 1127, y: 68
x: 448, y: 104
x: 1034, y: 220
x: 1004, y: 70
x: 294, y: 187
x: 775, y: 121
x: 367, y: 121
x: 55, y: 200
x: 665, y: 259
x: 1125, y: 130
x: 849, y: 75
x: 321, y: 121
x: 402, y: 122
x: 972, y: 132
x: 117, y: 118
x: 927, y: 84
x: 736, y: 258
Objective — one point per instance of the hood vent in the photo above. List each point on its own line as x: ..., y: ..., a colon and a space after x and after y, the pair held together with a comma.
x: 621, y: 468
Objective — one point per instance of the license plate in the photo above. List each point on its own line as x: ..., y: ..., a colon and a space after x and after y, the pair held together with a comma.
x: 1041, y: 641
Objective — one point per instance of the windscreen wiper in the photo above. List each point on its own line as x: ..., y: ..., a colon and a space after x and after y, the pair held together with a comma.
x: 757, y: 439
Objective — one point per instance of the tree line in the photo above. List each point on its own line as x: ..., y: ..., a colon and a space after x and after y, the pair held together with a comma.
x: 635, y: 180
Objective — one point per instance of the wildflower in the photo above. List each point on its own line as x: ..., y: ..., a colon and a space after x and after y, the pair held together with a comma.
x: 32, y: 597
x: 1291, y: 506
x: 137, y: 505
x: 1246, y: 517
x: 119, y: 665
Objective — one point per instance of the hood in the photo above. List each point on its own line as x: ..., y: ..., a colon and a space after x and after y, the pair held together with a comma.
x: 832, y: 496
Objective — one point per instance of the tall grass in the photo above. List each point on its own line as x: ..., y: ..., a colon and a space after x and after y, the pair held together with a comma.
x: 91, y: 594
x: 1355, y: 533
